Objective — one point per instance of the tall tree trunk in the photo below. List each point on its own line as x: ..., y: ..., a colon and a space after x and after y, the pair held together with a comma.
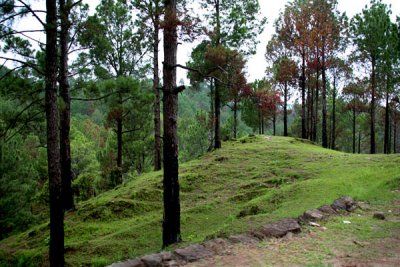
x: 394, y: 132
x: 171, y: 223
x: 56, y: 249
x: 156, y: 84
x: 217, y: 107
x: 235, y: 106
x: 372, y: 108
x: 262, y: 124
x: 354, y: 130
x: 119, y: 147
x: 274, y: 124
x: 308, y: 107
x: 303, y: 97
x: 324, y: 109
x: 333, y: 145
x: 386, y: 144
x: 259, y: 120
x: 285, y: 113
x: 217, y: 137
x: 359, y: 141
x: 212, y: 118
x: 312, y: 115
x: 316, y: 107
x: 65, y: 114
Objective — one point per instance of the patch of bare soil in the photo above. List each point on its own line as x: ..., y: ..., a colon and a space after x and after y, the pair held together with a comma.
x: 314, y: 250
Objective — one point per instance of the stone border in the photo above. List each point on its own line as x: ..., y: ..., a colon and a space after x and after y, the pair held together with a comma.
x: 219, y: 246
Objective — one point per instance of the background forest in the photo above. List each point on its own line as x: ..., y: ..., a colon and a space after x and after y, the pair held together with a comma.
x: 331, y: 79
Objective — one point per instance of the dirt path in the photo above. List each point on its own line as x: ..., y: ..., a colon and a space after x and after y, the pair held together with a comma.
x: 363, y: 242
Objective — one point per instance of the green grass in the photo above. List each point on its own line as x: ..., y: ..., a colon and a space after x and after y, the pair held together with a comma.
x: 247, y: 183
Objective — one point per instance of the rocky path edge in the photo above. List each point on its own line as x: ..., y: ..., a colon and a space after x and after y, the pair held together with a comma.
x: 220, y: 246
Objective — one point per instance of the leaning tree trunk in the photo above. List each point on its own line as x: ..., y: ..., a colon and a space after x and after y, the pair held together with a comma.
x: 285, y: 113
x: 372, y: 109
x: 171, y: 223
x: 65, y: 114
x: 56, y: 249
x: 303, y: 97
x: 157, y: 120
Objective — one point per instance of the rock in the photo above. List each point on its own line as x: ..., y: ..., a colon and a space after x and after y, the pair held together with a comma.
x: 218, y: 245
x: 327, y: 210
x: 288, y: 236
x: 171, y: 263
x: 312, y: 215
x: 244, y: 238
x: 314, y: 224
x: 345, y: 203
x: 193, y: 253
x: 128, y: 263
x: 153, y: 260
x: 379, y: 215
x: 258, y: 234
x: 166, y: 256
x: 281, y: 228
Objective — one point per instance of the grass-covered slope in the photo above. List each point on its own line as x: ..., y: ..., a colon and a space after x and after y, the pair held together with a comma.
x: 247, y: 183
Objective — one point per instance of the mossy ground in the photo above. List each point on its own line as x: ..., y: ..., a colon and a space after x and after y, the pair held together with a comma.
x: 247, y: 183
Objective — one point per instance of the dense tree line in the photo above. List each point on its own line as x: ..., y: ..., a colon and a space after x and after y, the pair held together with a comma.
x: 86, y: 110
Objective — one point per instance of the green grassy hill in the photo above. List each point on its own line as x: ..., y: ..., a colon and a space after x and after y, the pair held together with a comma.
x: 247, y: 183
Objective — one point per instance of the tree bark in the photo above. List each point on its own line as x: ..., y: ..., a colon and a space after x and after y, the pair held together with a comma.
x: 324, y: 109
x: 156, y: 84
x: 217, y: 96
x: 285, y: 113
x: 119, y: 147
x: 217, y: 125
x: 262, y: 124
x: 312, y: 114
x: 394, y: 132
x: 386, y: 144
x: 212, y: 117
x: 303, y: 96
x: 65, y: 114
x: 274, y: 124
x: 308, y: 107
x: 56, y: 249
x: 316, y: 107
x: 171, y: 222
x: 354, y: 130
x: 333, y: 143
x: 259, y: 120
x: 235, y: 105
x: 372, y: 109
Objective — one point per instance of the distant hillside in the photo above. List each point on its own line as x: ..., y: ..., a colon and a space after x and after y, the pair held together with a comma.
x: 249, y: 182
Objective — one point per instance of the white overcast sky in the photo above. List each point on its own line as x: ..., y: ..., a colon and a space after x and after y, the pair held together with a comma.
x: 270, y: 9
